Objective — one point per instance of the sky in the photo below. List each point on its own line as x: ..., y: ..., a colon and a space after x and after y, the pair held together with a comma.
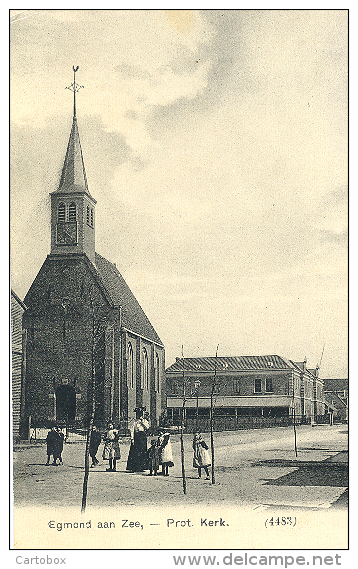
x: 215, y: 144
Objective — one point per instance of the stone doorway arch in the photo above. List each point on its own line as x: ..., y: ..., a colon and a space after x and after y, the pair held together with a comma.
x: 65, y: 403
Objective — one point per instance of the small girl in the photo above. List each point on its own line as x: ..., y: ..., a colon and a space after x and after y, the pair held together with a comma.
x: 153, y: 457
x: 111, y: 451
x: 165, y: 452
x: 201, y: 455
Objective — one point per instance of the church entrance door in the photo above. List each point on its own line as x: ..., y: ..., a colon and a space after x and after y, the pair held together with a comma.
x: 65, y: 404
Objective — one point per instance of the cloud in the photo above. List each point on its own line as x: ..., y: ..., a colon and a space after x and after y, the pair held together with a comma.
x: 341, y: 237
x: 125, y: 73
x: 132, y: 71
x: 215, y: 144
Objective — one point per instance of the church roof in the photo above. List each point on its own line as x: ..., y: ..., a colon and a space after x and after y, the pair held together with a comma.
x: 18, y: 300
x: 73, y: 177
x: 133, y: 316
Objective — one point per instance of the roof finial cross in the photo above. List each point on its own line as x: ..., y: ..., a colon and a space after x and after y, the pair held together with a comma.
x: 75, y: 88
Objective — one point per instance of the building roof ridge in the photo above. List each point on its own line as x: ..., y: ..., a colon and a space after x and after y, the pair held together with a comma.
x: 133, y: 315
x: 235, y: 357
x: 232, y: 363
x: 18, y: 299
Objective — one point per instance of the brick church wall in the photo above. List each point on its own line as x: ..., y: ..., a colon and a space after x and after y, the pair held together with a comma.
x: 59, y: 326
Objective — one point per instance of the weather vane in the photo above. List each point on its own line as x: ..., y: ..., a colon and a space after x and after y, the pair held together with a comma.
x: 75, y: 88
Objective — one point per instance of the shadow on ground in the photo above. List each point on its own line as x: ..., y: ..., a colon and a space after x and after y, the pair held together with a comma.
x: 313, y: 475
x: 342, y: 501
x: 330, y: 472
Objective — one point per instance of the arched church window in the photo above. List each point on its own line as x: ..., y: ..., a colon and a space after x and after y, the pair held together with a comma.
x: 145, y: 370
x: 61, y: 212
x: 157, y: 372
x: 88, y: 215
x: 130, y: 368
x: 72, y: 214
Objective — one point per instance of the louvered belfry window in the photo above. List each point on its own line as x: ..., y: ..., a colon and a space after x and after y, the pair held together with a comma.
x: 72, y: 215
x: 61, y: 212
x: 88, y: 215
x: 91, y: 217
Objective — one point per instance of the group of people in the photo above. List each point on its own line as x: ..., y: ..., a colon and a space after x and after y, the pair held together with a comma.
x: 54, y: 442
x: 140, y: 457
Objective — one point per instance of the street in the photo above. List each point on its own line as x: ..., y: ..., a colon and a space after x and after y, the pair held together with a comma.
x: 255, y: 469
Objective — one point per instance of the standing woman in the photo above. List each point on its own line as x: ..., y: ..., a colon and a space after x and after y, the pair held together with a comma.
x: 58, y: 446
x: 51, y: 442
x: 165, y: 452
x: 138, y: 452
x: 95, y: 441
x: 111, y: 451
x: 201, y: 455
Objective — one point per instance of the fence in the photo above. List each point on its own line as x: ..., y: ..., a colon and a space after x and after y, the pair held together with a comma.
x: 38, y: 432
x: 221, y: 423
x: 322, y: 419
x: 237, y: 423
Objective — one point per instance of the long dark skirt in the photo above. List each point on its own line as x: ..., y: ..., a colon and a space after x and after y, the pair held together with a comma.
x: 138, y: 453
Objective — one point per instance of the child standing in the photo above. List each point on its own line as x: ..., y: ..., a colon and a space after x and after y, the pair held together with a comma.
x: 201, y: 455
x: 153, y: 456
x: 165, y: 452
x: 111, y: 451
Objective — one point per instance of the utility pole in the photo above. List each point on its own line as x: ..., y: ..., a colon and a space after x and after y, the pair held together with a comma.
x: 212, y: 420
x: 182, y: 426
x: 314, y: 414
x: 320, y: 361
x: 294, y: 413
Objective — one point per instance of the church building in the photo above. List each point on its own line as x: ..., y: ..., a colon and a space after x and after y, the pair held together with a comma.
x: 86, y: 332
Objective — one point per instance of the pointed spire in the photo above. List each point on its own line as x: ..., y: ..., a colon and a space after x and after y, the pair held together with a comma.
x: 73, y: 177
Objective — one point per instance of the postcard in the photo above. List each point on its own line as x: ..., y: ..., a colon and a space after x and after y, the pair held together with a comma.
x: 179, y: 281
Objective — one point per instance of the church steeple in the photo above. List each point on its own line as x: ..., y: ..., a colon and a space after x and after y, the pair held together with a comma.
x: 72, y: 206
x: 73, y: 177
